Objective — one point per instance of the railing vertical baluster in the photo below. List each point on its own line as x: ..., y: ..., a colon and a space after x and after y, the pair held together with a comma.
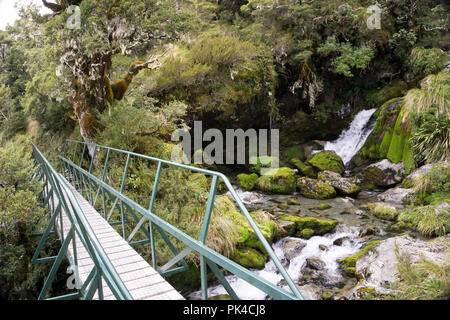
x: 122, y: 187
x: 204, y: 233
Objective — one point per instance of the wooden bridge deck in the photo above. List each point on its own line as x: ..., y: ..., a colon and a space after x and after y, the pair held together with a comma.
x: 142, y: 281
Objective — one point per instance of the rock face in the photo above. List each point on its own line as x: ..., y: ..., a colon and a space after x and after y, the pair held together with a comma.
x: 396, y: 195
x: 292, y: 248
x: 378, y: 266
x: 326, y: 160
x: 343, y: 186
x: 315, y: 189
x: 279, y: 180
x: 382, y: 174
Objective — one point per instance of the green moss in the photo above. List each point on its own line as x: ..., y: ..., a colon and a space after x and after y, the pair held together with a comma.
x: 382, y: 211
x: 349, y: 263
x: 247, y: 181
x: 248, y: 257
x: 385, y: 143
x: 319, y: 226
x: 221, y: 297
x: 323, y: 206
x: 399, y: 226
x: 279, y: 180
x: 327, y: 160
x: 306, y: 233
x: 327, y: 295
x: 293, y: 202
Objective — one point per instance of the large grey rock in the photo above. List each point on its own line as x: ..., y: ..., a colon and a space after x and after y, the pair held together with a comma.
x: 382, y: 174
x: 343, y: 185
x: 315, y: 263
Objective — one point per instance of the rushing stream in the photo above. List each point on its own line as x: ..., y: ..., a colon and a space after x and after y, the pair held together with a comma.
x: 313, y: 263
x: 319, y: 248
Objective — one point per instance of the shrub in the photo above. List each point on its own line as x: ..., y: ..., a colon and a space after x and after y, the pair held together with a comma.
x: 19, y: 214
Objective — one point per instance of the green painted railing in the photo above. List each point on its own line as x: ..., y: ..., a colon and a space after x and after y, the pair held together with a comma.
x: 93, y: 187
x: 59, y: 197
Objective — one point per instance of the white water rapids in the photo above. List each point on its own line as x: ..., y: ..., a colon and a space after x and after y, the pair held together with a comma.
x: 352, y: 139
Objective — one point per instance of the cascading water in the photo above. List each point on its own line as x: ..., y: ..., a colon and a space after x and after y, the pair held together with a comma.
x: 352, y: 139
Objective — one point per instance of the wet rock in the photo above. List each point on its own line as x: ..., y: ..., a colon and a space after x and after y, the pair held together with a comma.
x: 399, y: 227
x: 310, y: 291
x: 382, y: 174
x: 323, y: 247
x: 315, y: 263
x: 323, y: 206
x: 343, y: 186
x: 409, y: 181
x: 319, y: 226
x: 396, y: 195
x: 292, y: 248
x: 339, y: 241
x: 315, y: 189
x: 369, y: 231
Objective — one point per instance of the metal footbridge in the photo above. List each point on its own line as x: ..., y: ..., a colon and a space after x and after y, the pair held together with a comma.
x: 103, y: 260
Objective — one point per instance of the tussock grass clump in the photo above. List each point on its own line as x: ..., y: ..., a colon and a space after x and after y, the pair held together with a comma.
x: 429, y: 220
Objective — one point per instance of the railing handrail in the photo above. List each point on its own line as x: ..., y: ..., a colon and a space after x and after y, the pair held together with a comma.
x: 191, y: 242
x: 85, y: 232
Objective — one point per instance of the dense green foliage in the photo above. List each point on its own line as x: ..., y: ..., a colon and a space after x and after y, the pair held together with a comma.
x: 19, y: 215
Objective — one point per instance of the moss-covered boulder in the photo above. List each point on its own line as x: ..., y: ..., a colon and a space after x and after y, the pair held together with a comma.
x: 383, y: 210
x: 305, y: 170
x: 247, y: 181
x: 249, y: 258
x: 315, y: 189
x: 326, y: 160
x: 281, y: 180
x: 342, y: 185
x: 318, y: 226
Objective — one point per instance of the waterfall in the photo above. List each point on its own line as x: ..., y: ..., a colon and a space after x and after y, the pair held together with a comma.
x: 352, y: 139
